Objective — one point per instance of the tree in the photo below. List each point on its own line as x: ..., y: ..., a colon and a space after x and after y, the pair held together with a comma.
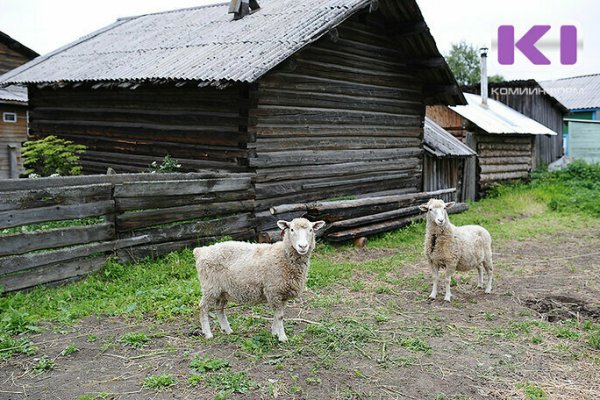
x: 52, y: 155
x: 463, y: 61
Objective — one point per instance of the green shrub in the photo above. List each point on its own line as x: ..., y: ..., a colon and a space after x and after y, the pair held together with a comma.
x: 52, y: 155
x: 169, y: 164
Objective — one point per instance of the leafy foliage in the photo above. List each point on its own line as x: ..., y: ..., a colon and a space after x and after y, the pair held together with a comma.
x: 159, y: 382
x: 169, y: 164
x: 52, y: 155
x: 463, y: 61
x: 208, y: 364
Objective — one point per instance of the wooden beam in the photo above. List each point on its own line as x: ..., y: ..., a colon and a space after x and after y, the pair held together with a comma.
x: 406, y: 29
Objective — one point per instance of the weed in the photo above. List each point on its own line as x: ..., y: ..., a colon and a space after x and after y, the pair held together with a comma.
x: 91, y: 338
x: 232, y: 382
x: 43, y: 364
x: 15, y: 322
x: 564, y: 332
x: 259, y: 344
x: 313, y: 380
x: 536, y: 339
x: 594, y: 340
x: 70, y: 349
x: 136, y: 340
x: 159, y: 382
x: 208, y: 364
x: 9, y: 347
x: 415, y: 344
x: 533, y: 392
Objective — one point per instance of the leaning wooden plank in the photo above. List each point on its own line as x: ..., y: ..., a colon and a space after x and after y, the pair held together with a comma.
x: 370, y: 219
x: 372, y: 229
x: 22, y: 243
x: 65, y: 195
x: 144, y: 203
x: 10, y: 219
x: 51, y: 273
x: 142, y: 219
x: 333, y: 205
x: 179, y: 188
x: 213, y: 227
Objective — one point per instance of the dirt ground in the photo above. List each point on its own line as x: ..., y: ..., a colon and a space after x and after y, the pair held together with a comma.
x: 377, y: 339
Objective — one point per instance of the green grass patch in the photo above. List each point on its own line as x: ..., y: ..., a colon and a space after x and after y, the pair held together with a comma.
x: 159, y: 382
x: 201, y: 365
x: 532, y: 392
x: 136, y: 340
x: 415, y: 345
x: 70, y: 349
x: 44, y: 364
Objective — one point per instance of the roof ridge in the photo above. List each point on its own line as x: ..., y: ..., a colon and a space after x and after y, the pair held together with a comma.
x: 574, y: 77
x: 173, y: 11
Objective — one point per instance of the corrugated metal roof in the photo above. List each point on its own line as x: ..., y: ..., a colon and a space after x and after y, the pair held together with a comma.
x: 498, y: 118
x: 579, y: 92
x: 13, y: 94
x: 206, y: 44
x: 441, y: 143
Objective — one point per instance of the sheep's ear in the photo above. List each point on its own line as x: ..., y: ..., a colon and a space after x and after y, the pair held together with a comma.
x: 283, y: 225
x: 318, y: 225
x: 450, y: 204
x: 424, y: 207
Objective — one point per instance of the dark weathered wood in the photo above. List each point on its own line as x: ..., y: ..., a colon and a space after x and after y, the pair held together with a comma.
x: 317, y: 207
x: 69, y: 195
x: 141, y: 203
x: 137, y: 253
x: 178, y: 188
x: 136, y: 220
x: 28, y: 241
x: 13, y: 218
x: 370, y: 219
x: 51, y: 273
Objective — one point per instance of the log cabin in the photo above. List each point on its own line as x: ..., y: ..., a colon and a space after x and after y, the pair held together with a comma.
x: 502, y: 137
x: 13, y: 108
x: 320, y: 98
x: 530, y: 99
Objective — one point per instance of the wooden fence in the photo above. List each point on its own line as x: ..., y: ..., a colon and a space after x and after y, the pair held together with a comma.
x: 58, y: 229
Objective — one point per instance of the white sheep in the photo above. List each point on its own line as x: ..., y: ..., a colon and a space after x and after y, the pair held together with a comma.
x: 455, y: 248
x: 255, y: 273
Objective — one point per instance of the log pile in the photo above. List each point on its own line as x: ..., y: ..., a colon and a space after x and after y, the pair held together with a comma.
x: 352, y: 219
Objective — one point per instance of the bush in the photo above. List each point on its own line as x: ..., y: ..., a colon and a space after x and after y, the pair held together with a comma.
x: 52, y: 156
x: 169, y: 164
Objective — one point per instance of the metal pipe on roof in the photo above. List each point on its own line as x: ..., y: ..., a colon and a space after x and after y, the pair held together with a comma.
x: 484, y: 78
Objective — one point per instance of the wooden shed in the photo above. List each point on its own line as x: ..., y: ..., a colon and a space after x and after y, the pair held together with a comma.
x: 502, y: 137
x: 321, y: 98
x: 448, y: 163
x: 13, y: 108
x: 530, y: 99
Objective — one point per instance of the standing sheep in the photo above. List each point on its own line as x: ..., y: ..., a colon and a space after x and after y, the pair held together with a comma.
x: 255, y: 273
x: 455, y: 248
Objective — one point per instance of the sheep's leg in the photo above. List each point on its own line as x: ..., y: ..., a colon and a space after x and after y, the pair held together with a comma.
x: 277, y: 326
x: 480, y: 278
x: 206, y: 304
x: 489, y: 268
x: 447, y: 279
x: 436, y: 277
x: 225, y: 327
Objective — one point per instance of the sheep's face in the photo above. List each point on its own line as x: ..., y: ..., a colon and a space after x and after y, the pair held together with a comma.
x: 301, y: 233
x: 436, y: 211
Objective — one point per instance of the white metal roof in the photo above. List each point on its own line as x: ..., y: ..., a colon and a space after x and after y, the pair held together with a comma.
x: 499, y: 118
x: 13, y: 94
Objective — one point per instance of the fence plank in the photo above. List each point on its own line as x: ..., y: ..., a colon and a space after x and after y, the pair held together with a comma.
x: 142, y: 219
x: 214, y: 227
x: 13, y: 218
x: 135, y: 203
x: 68, y: 195
x: 52, y: 273
x: 28, y: 241
x: 180, y: 188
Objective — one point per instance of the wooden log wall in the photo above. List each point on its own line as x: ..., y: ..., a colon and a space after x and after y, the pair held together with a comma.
x: 443, y: 173
x: 12, y: 135
x: 503, y: 157
x: 543, y: 110
x: 59, y: 229
x: 342, y: 117
x: 129, y: 129
x: 10, y: 59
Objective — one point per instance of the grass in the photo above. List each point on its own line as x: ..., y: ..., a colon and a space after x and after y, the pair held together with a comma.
x: 201, y: 365
x: 136, y: 340
x: 159, y: 382
x: 44, y: 364
x: 532, y: 392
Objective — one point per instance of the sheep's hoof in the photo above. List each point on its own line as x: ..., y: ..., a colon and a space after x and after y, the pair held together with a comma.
x: 208, y: 335
x: 480, y: 286
x: 227, y: 331
x: 283, y: 339
x: 488, y: 291
x: 447, y: 298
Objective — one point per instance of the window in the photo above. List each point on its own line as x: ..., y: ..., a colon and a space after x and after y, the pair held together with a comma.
x: 9, y: 117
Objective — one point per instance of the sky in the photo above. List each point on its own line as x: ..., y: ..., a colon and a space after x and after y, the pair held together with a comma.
x: 45, y: 25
